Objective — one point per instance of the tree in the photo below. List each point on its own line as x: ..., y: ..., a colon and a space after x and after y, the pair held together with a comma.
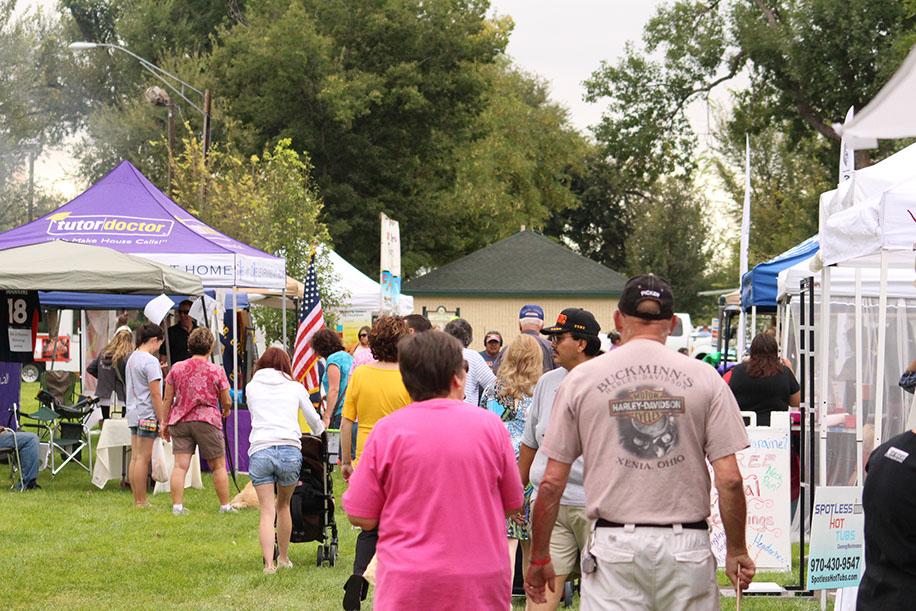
x: 787, y: 180
x: 381, y: 95
x: 267, y: 201
x: 598, y: 223
x: 41, y: 100
x: 807, y: 63
x: 519, y: 168
x: 669, y: 238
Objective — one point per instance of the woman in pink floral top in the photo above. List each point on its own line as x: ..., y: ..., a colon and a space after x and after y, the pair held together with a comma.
x: 195, y: 392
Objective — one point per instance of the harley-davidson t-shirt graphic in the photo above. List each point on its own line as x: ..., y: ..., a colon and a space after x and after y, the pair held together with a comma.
x: 645, y: 419
x: 648, y: 425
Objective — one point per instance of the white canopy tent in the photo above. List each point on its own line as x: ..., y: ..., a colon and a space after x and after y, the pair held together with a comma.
x: 843, y: 281
x: 364, y: 293
x: 890, y: 114
x: 868, y: 228
x: 70, y: 266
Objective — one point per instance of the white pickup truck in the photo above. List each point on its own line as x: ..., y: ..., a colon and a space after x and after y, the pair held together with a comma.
x: 680, y: 336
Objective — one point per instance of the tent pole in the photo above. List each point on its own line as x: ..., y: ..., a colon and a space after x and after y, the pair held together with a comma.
x: 882, y: 341
x: 753, y: 322
x: 235, y: 377
x: 739, y: 347
x: 785, y: 321
x: 822, y: 355
x: 858, y: 348
x: 285, y: 343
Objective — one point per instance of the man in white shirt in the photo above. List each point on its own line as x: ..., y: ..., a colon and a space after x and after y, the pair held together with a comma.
x: 574, y: 338
x: 479, y: 373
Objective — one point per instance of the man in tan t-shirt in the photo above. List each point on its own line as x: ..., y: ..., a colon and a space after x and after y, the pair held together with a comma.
x: 645, y: 420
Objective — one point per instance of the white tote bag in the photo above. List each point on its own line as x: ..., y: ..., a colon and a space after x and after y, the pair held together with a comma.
x: 162, y: 460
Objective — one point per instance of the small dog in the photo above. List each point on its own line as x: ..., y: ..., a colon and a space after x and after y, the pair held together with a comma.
x: 247, y: 498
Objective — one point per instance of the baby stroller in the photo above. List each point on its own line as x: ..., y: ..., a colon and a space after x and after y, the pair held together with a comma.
x: 312, y: 505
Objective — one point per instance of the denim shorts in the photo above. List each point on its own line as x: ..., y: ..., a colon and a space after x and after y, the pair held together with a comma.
x: 141, y: 433
x: 280, y: 464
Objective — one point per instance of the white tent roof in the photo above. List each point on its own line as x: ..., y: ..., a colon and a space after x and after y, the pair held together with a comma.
x: 70, y: 266
x: 363, y: 291
x: 842, y: 280
x: 858, y: 234
x: 872, y: 181
x: 870, y: 213
x: 890, y: 114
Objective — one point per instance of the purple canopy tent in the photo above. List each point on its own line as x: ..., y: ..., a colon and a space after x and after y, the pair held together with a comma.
x: 126, y: 212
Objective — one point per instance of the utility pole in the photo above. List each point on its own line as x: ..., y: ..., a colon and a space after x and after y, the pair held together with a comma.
x: 31, y: 184
x: 171, y: 139
x: 206, y: 127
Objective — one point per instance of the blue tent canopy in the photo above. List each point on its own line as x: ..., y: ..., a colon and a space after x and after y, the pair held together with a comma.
x: 758, y: 286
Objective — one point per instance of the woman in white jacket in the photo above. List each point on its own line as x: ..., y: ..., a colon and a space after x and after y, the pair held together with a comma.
x: 274, y: 454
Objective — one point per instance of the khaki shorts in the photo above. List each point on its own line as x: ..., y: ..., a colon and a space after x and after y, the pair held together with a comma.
x: 651, y: 568
x: 568, y: 539
x: 186, y: 436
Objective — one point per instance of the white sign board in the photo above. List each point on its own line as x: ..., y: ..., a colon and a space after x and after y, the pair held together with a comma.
x: 390, y: 273
x: 836, y: 556
x: 765, y: 467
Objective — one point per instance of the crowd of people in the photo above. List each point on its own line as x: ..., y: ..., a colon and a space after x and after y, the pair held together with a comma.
x: 589, y: 460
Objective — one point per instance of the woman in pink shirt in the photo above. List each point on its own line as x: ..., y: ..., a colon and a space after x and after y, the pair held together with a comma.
x: 195, y: 392
x: 437, y: 479
x: 361, y: 352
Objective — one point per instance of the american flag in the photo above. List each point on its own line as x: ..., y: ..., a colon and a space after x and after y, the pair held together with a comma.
x: 311, y: 319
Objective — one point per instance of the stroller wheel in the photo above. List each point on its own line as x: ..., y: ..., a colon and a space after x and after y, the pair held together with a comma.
x: 320, y: 555
x: 332, y: 557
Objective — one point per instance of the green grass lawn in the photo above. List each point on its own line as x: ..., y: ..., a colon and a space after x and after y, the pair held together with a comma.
x: 75, y: 546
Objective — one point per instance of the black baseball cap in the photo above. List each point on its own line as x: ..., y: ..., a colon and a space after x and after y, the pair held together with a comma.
x: 574, y: 320
x: 647, y: 287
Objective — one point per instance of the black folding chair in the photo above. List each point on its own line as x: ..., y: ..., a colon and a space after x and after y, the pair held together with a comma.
x: 71, y: 433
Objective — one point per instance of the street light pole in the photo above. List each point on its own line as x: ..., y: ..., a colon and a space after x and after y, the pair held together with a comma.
x: 168, y: 79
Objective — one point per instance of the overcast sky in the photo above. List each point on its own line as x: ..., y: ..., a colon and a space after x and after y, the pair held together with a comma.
x: 565, y: 41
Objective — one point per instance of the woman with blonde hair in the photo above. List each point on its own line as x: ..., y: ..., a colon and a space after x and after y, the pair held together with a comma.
x: 510, y: 398
x: 109, y: 369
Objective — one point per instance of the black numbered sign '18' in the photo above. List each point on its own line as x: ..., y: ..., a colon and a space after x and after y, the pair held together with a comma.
x: 19, y: 314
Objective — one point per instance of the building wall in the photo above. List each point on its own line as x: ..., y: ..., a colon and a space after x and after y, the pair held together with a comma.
x: 501, y: 314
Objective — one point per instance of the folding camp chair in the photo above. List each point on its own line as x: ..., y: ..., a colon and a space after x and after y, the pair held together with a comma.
x: 12, y: 454
x: 61, y: 385
x: 44, y: 421
x: 73, y: 428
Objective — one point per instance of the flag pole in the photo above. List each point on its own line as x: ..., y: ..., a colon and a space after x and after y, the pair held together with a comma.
x: 745, y: 239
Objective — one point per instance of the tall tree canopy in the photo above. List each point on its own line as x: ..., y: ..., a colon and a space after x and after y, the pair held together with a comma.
x: 381, y: 94
x: 807, y: 62
x: 406, y: 107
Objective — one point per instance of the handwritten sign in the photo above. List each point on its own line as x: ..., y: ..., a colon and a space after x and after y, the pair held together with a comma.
x: 837, y: 531
x: 765, y: 467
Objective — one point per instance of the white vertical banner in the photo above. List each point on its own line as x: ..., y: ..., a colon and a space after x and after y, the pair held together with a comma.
x: 745, y: 239
x: 390, y: 272
x: 847, y: 155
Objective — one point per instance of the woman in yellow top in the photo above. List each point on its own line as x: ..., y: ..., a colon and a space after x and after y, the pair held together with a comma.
x: 375, y: 390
